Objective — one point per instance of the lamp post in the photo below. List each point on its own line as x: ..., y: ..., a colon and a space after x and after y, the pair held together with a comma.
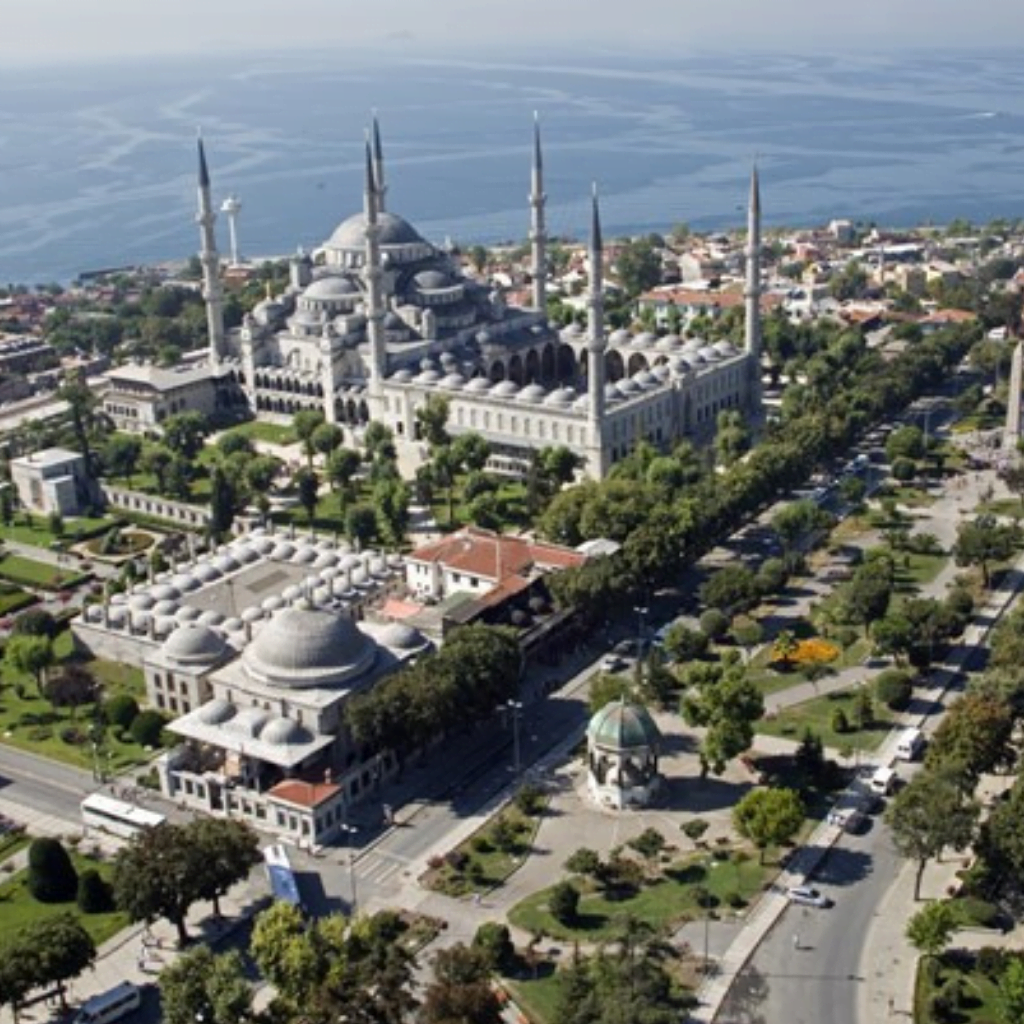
x: 641, y: 612
x: 514, y: 708
x: 350, y: 831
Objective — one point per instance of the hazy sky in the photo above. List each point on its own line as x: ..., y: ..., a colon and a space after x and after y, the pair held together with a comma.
x: 57, y: 30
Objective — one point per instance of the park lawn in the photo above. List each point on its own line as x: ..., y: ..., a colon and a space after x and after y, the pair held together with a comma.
x: 14, y: 599
x: 272, y: 433
x: 20, y: 908
x: 11, y: 843
x: 1012, y: 508
x: 662, y: 904
x: 983, y: 997
x: 913, y: 497
x: 816, y: 715
x: 914, y: 570
x: 537, y: 997
x: 28, y: 572
x: 35, y: 530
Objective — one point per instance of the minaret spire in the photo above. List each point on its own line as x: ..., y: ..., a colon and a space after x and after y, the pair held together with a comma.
x: 596, y: 343
x: 378, y: 165
x: 538, y: 232
x: 752, y: 291
x: 373, y: 275
x: 210, y: 260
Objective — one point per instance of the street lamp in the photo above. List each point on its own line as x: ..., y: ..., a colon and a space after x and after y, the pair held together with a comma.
x: 350, y: 831
x: 514, y: 708
x: 641, y: 612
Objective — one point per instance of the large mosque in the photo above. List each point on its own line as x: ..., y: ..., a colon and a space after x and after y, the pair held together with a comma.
x: 384, y: 319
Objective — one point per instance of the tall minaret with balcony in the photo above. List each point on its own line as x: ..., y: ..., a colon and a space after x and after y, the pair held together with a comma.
x: 210, y: 260
x: 752, y: 293
x: 596, y: 345
x: 373, y: 275
x: 538, y: 233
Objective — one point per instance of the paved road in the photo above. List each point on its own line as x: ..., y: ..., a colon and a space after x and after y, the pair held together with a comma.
x: 41, y: 785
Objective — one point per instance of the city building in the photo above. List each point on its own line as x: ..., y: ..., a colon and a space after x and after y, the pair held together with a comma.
x: 383, y: 319
x: 54, y: 480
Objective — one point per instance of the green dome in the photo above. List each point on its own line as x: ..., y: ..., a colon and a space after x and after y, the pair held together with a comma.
x: 622, y: 726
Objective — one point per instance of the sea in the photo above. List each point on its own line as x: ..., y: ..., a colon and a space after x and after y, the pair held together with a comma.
x: 98, y: 168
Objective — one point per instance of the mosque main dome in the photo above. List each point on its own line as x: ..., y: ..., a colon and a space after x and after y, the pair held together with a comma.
x: 300, y: 648
x: 350, y: 234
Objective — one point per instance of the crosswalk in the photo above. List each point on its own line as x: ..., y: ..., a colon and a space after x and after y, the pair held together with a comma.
x: 383, y: 869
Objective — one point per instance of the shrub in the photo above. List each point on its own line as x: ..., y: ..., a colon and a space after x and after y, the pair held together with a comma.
x: 94, y: 895
x: 456, y: 859
x: 930, y: 967
x: 564, y: 902
x: 894, y: 689
x: 147, y: 727
x: 529, y: 799
x: 840, y: 723
x: 991, y: 961
x: 903, y: 469
x: 694, y: 828
x: 481, y: 844
x: 504, y: 834
x: 72, y: 736
x: 953, y: 993
x: 714, y: 624
x: 495, y: 942
x: 121, y: 711
x: 960, y: 600
x: 51, y: 875
x: 977, y: 911
x: 649, y: 843
x: 846, y: 636
x: 584, y: 862
x: 35, y: 623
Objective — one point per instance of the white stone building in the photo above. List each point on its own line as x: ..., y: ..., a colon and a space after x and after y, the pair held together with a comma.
x: 53, y: 480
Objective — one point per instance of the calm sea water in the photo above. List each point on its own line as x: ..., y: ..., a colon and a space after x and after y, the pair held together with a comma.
x: 97, y: 166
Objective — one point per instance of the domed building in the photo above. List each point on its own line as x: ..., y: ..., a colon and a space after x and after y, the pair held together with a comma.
x: 267, y: 740
x: 623, y: 744
x: 351, y: 334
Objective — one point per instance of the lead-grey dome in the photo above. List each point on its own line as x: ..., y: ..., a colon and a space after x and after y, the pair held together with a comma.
x: 432, y: 280
x: 282, y: 731
x: 217, y: 711
x: 622, y: 726
x: 330, y: 288
x: 193, y: 644
x: 402, y: 637
x: 394, y: 230
x: 306, y: 647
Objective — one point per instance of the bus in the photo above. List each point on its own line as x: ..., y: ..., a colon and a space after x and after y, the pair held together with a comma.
x: 117, y: 817
x: 283, y: 883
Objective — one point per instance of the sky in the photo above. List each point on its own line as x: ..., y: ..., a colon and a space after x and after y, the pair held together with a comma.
x: 60, y: 31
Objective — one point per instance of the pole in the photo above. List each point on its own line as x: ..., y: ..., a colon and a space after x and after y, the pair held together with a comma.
x: 516, y: 708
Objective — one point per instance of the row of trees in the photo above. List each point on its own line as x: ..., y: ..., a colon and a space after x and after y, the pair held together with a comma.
x: 477, y: 669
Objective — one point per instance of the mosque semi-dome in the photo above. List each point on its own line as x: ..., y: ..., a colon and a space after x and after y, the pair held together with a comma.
x: 333, y: 287
x: 623, y: 726
x: 307, y: 647
x: 193, y: 644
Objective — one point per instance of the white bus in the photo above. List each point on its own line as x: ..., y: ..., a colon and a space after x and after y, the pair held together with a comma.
x: 283, y: 883
x: 117, y: 817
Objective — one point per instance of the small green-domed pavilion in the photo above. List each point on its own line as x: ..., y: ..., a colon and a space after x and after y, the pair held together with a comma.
x: 622, y: 755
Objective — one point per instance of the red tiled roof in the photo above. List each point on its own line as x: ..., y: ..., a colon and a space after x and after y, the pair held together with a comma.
x: 304, y: 794
x: 480, y: 553
x: 695, y: 297
x: 395, y: 609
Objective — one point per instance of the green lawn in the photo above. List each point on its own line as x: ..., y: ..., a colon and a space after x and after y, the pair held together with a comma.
x: 11, y: 843
x: 913, y: 570
x: 538, y: 998
x: 30, y: 573
x: 34, y: 530
x: 272, y: 433
x: 20, y: 908
x: 980, y: 1005
x: 663, y: 903
x: 13, y: 599
x: 1009, y: 507
x: 817, y: 715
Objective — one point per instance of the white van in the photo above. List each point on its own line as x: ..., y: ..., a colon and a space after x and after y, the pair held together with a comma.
x: 883, y: 781
x: 909, y: 745
x: 109, y: 1006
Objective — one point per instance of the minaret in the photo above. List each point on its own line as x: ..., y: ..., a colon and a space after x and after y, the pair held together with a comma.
x: 378, y: 165
x: 538, y: 235
x: 206, y: 218
x: 752, y: 291
x: 1014, y: 397
x: 372, y: 275
x: 596, y: 341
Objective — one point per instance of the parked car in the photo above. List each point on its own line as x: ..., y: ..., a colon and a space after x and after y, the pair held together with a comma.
x: 612, y: 663
x: 808, y: 897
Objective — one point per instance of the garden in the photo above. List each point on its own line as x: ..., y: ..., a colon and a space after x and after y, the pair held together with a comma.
x: 848, y: 719
x: 961, y: 986
x: 30, y: 573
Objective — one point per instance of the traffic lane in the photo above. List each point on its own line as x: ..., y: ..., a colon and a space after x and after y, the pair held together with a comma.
x: 819, y: 980
x: 41, y: 785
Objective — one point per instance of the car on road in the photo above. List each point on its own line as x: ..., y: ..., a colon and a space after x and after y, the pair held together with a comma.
x: 612, y: 663
x: 808, y: 897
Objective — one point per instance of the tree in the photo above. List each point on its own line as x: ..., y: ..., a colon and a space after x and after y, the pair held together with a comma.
x: 93, y: 895
x: 342, y: 466
x: 583, y: 861
x: 785, y: 648
x: 306, y: 422
x: 1011, y: 991
x: 432, y: 420
x: 748, y: 634
x: 974, y: 737
x: 769, y: 817
x: 685, y: 644
x: 157, y: 460
x: 63, y: 949
x: 931, y: 928
x: 229, y: 849
x: 731, y: 589
x: 726, y: 703
x: 222, y: 505
x: 905, y: 443
x: 121, y: 456
x: 471, y: 451
x: 51, y: 875
x: 445, y: 468
x: 866, y: 597
x: 605, y: 688
x: 494, y: 941
x: 714, y: 624
x: 929, y: 814
x: 638, y: 267
x: 72, y: 687
x: 184, y: 434
x: 201, y: 985
x: 460, y: 992
x: 732, y: 437
x: 159, y: 874
x: 563, y: 902
x: 18, y: 972
x: 32, y: 655
x: 327, y: 438
x: 261, y: 472
x: 308, y: 486
x: 147, y: 727
x: 361, y: 524
x: 82, y: 401
x: 894, y: 688
x: 984, y: 541
x: 290, y: 956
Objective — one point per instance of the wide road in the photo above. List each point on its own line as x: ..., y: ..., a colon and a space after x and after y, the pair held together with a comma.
x: 819, y: 980
x: 41, y: 785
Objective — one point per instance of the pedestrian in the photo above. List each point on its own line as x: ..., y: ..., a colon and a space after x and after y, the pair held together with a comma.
x: 796, y: 941
x: 892, y: 1003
